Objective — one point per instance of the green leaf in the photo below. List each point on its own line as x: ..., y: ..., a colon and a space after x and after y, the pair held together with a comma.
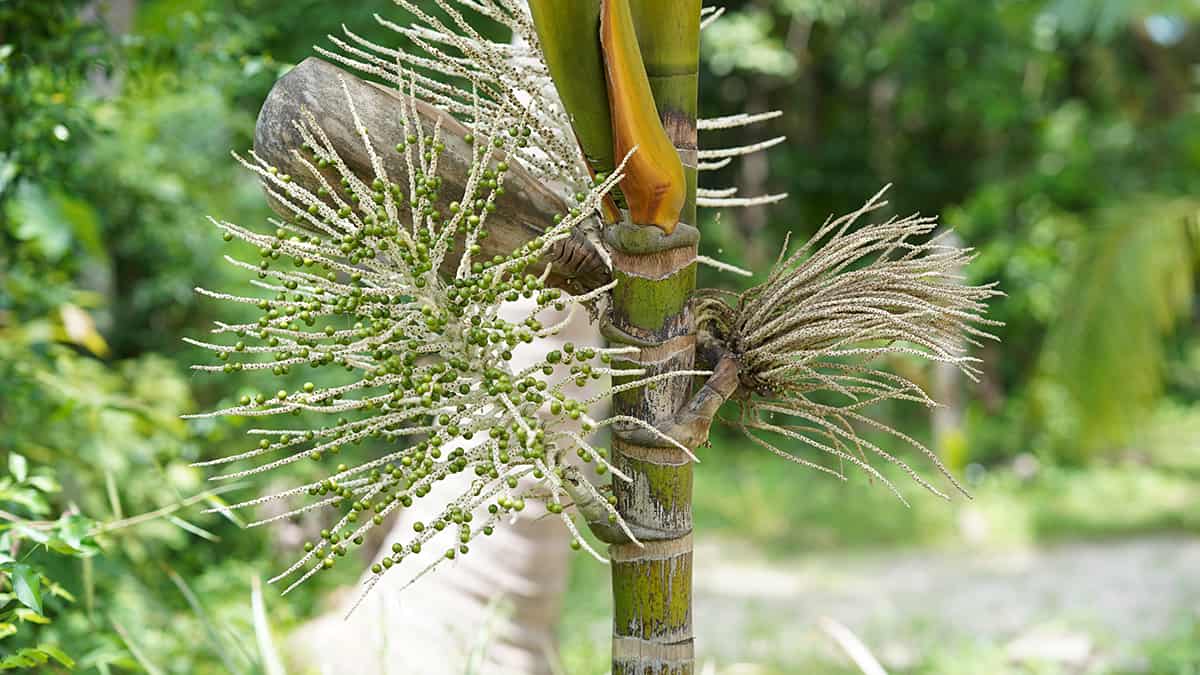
x: 114, y: 499
x: 74, y: 529
x: 44, y: 483
x: 26, y: 658
x: 223, y: 509
x: 7, y: 629
x: 24, y: 495
x: 57, y: 590
x: 27, y: 584
x: 194, y: 529
x: 37, y: 219
x: 36, y: 656
x: 29, y: 616
x: 18, y: 466
x: 8, y: 169
x: 268, y: 654
x: 33, y: 533
x: 85, y: 224
x: 215, y: 640
x: 58, y: 655
x: 57, y: 545
x: 146, y: 664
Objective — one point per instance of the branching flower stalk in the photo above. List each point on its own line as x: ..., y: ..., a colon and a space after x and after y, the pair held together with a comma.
x: 809, y: 340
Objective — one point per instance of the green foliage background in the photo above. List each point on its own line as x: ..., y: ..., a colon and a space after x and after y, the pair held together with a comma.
x: 1059, y: 137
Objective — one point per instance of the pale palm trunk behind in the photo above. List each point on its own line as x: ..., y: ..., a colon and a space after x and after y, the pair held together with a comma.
x: 492, y: 612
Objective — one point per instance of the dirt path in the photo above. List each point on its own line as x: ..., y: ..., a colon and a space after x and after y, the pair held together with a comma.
x: 1077, y: 604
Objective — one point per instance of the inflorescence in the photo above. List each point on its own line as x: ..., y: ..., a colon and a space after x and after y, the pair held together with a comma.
x: 354, y: 283
x: 809, y: 341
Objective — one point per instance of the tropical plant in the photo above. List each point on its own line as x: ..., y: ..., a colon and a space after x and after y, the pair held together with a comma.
x: 30, y: 587
x: 560, y: 168
x: 98, y: 491
x: 1132, y: 285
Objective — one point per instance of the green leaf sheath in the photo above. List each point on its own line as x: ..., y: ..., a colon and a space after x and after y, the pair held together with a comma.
x: 27, y: 583
x: 569, y: 33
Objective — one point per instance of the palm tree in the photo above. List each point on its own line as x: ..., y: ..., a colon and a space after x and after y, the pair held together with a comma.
x: 1102, y: 367
x: 559, y: 170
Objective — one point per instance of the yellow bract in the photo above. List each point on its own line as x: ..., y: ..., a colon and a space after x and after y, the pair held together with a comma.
x: 654, y: 184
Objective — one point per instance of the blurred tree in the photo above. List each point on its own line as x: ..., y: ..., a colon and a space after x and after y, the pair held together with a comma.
x: 1064, y: 132
x: 112, y: 150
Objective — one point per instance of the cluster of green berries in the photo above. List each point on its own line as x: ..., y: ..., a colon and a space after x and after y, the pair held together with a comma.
x: 360, y: 286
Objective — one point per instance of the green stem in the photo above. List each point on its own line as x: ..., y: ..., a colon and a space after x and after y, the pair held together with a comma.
x: 655, y: 269
x: 656, y: 273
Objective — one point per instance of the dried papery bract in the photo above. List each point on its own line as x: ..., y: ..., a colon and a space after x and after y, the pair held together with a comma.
x: 810, y: 342
x: 351, y: 284
x: 460, y: 71
x: 522, y: 213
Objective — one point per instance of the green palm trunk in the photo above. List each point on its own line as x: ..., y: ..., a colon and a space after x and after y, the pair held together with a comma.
x: 656, y: 274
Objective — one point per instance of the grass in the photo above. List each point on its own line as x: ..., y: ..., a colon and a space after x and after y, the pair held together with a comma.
x: 1177, y: 653
x: 786, y: 510
x: 750, y: 498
